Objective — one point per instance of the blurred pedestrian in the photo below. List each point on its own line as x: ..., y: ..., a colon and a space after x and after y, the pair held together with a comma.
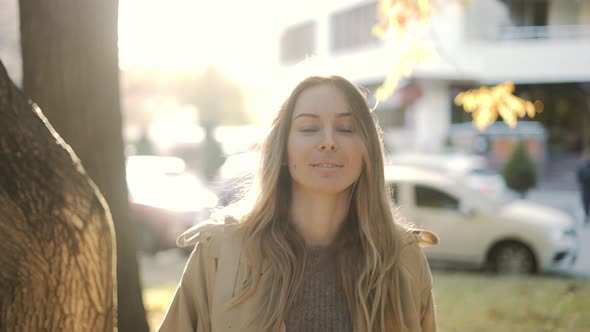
x: 320, y: 248
x: 211, y: 153
x: 583, y: 174
x: 143, y: 145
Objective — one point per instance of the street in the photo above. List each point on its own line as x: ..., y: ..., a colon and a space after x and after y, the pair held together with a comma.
x: 165, y: 268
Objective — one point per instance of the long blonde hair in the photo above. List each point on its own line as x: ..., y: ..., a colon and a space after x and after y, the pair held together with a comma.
x: 368, y: 246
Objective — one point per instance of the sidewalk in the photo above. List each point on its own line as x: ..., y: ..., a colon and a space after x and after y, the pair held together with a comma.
x: 569, y: 201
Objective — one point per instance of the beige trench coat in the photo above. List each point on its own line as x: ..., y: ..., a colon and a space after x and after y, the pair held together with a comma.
x: 214, y: 272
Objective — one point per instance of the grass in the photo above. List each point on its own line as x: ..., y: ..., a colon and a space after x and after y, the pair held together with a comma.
x: 478, y: 302
x: 156, y: 302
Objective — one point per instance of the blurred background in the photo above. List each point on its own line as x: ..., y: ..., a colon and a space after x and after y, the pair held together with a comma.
x: 201, y: 80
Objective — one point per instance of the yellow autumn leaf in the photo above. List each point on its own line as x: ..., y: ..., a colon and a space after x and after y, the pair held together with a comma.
x: 530, y: 109
x: 395, y: 19
x: 487, y: 104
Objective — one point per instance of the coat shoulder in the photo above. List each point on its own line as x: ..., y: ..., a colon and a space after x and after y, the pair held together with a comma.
x: 209, y: 233
x: 412, y: 258
x: 422, y: 237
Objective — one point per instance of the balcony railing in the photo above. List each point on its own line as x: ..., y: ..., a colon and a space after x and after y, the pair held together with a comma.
x: 543, y: 32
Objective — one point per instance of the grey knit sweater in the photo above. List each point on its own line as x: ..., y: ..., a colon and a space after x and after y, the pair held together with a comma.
x: 321, y: 304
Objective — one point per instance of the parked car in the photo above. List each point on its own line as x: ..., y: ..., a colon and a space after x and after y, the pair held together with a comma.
x: 165, y: 200
x: 473, y: 170
x: 496, y: 232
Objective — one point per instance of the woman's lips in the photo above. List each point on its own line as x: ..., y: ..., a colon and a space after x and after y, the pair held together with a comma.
x: 327, y: 165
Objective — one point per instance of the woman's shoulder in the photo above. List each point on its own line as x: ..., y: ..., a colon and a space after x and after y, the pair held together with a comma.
x: 411, y: 255
x: 210, y: 234
x: 421, y: 237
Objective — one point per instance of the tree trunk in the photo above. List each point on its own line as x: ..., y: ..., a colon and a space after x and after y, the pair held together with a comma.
x: 70, y: 68
x: 56, y: 233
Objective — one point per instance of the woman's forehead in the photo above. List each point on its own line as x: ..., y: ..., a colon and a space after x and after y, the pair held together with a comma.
x: 319, y: 100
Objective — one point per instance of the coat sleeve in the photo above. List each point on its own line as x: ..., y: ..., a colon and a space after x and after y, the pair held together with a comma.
x: 189, y: 310
x: 428, y: 319
x: 428, y: 313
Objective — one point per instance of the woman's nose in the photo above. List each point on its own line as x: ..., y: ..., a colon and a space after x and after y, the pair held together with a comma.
x: 325, y: 147
x: 328, y: 143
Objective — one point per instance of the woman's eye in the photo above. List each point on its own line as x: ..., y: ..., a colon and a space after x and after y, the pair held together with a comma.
x: 309, y: 129
x: 345, y: 130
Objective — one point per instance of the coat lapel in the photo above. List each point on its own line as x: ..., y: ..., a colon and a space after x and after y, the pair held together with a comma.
x: 228, y: 318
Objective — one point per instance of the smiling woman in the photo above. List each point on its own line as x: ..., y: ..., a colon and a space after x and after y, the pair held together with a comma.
x: 320, y: 249
x: 324, y: 149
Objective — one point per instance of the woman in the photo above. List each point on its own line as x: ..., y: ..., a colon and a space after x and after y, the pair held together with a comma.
x: 320, y: 248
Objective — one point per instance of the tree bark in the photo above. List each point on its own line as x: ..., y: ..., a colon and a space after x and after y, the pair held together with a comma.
x: 56, y: 233
x: 70, y: 69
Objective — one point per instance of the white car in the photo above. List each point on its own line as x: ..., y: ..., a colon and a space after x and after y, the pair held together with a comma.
x: 473, y: 170
x: 165, y: 200
x: 502, y: 234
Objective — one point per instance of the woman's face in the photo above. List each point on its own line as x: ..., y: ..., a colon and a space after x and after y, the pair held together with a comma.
x: 324, y: 148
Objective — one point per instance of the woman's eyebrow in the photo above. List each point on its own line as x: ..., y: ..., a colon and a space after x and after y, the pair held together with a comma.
x: 310, y: 115
x: 340, y: 115
x: 315, y: 116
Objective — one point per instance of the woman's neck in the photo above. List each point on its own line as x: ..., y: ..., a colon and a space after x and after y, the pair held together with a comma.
x: 318, y: 217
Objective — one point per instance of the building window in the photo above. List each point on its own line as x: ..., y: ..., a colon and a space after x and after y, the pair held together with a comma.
x: 352, y: 28
x: 527, y: 12
x: 298, y: 42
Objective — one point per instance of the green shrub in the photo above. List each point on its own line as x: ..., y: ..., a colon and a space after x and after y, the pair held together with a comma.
x: 520, y: 171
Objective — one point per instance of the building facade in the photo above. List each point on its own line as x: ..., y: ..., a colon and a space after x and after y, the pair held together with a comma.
x: 537, y: 44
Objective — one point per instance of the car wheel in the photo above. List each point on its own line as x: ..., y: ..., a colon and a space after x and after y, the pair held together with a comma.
x: 147, y: 240
x: 512, y: 258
